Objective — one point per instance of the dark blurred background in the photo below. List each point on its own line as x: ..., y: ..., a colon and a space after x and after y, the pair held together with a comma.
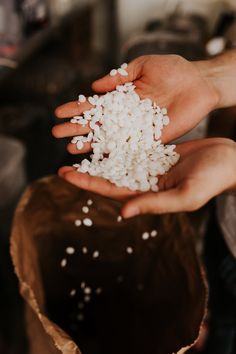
x: 50, y: 51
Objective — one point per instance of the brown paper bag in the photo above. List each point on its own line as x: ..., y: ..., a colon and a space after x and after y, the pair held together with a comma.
x: 149, y: 301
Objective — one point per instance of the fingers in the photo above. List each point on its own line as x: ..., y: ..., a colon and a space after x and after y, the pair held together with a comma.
x: 69, y: 129
x: 72, y: 149
x: 171, y: 201
x: 72, y: 109
x: 109, y: 83
x: 94, y: 184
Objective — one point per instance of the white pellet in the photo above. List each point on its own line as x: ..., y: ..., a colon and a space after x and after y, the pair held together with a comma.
x: 80, y: 317
x: 129, y: 250
x: 87, y: 222
x: 153, y: 233
x: 113, y: 72
x: 95, y: 254
x: 84, y: 250
x: 78, y: 222
x: 82, y: 285
x: 124, y: 66
x: 89, y: 202
x: 122, y: 72
x: 70, y: 250
x: 145, y: 235
x: 164, y: 111
x: 79, y: 145
x: 119, y: 218
x: 63, y: 262
x: 80, y: 305
x: 87, y: 298
x: 120, y: 278
x: 73, y: 292
x: 98, y: 291
x: 87, y: 290
x: 85, y: 209
x: 82, y: 98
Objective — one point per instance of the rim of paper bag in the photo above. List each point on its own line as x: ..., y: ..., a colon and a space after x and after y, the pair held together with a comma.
x: 54, y: 331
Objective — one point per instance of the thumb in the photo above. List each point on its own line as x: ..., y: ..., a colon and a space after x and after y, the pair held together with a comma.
x: 170, y: 201
x: 109, y: 83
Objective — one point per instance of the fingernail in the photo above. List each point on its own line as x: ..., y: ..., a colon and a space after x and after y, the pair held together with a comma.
x: 131, y: 212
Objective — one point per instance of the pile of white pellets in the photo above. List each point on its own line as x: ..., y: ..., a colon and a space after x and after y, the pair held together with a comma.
x: 125, y: 138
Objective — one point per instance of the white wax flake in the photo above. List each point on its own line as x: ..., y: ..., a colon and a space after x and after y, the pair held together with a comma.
x: 87, y: 298
x: 70, y: 250
x: 120, y: 278
x: 145, y: 235
x: 80, y: 317
x: 125, y: 139
x: 122, y: 72
x: 87, y: 222
x: 78, y: 222
x: 98, y: 291
x: 119, y: 218
x: 85, y: 209
x: 80, y: 305
x: 113, y: 72
x: 84, y: 250
x: 95, y: 254
x: 87, y: 290
x: 129, y: 250
x: 82, y: 98
x: 89, y: 202
x: 63, y: 262
x: 73, y: 292
x: 153, y: 233
x: 124, y: 66
x: 82, y: 285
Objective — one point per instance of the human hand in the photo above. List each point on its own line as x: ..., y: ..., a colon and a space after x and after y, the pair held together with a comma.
x: 206, y: 168
x: 171, y: 81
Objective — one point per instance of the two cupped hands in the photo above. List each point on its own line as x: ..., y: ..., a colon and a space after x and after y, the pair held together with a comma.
x: 206, y: 167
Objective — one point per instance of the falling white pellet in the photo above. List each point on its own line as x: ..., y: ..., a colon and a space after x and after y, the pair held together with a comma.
x: 119, y: 218
x: 129, y: 250
x: 80, y: 305
x: 82, y: 98
x: 90, y: 202
x: 84, y: 250
x: 63, y: 262
x: 78, y: 222
x: 145, y: 235
x: 82, y: 285
x: 85, y: 209
x: 80, y: 317
x: 87, y: 222
x: 70, y: 250
x: 73, y: 292
x: 120, y: 278
x: 113, y: 72
x: 87, y: 290
x: 87, y: 298
x: 153, y: 233
x: 140, y: 287
x: 95, y: 254
x: 98, y: 291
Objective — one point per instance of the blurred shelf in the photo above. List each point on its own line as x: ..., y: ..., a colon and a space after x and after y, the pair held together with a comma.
x: 38, y: 39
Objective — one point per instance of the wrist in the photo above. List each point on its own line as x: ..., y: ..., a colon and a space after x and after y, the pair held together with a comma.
x: 212, y: 75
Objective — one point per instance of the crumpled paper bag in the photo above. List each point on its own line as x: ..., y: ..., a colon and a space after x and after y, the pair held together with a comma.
x: 149, y: 301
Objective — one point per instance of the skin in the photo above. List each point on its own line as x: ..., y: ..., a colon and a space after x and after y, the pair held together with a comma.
x: 189, y: 90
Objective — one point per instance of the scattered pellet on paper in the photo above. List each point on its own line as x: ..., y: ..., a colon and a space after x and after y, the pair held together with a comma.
x: 70, y: 250
x: 73, y: 292
x: 63, y: 262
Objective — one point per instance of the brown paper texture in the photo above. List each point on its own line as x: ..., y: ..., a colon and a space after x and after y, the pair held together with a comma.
x: 157, y: 308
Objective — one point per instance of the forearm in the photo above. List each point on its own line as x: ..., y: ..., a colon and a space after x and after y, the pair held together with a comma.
x: 220, y: 72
